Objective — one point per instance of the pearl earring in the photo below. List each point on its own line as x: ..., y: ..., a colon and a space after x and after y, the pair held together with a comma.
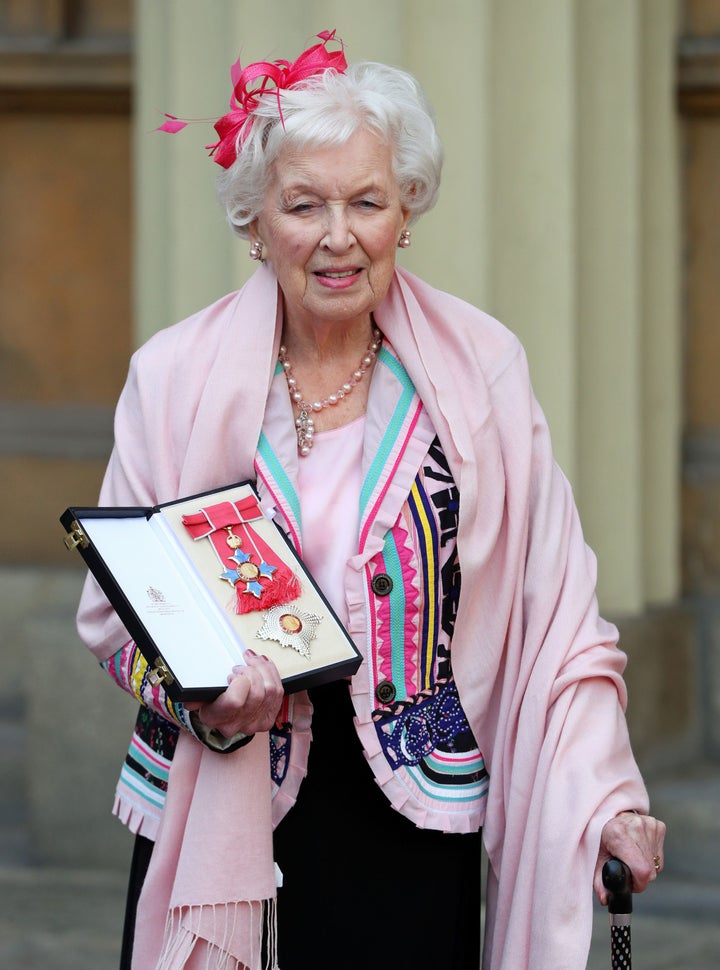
x: 256, y: 251
x: 404, y: 240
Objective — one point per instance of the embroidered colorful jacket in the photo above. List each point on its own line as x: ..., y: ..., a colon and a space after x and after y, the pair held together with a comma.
x: 402, y: 602
x: 538, y: 672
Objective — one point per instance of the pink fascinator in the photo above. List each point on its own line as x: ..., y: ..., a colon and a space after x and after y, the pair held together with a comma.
x: 251, y: 83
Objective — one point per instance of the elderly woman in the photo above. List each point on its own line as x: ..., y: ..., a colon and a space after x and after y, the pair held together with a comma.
x: 392, y: 432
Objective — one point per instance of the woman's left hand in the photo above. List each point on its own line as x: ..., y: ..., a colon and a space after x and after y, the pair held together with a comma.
x: 251, y: 702
x: 637, y: 840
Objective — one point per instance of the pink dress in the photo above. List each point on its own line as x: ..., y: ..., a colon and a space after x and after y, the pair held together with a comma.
x: 329, y: 482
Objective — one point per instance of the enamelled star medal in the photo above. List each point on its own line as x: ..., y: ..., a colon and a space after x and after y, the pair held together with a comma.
x: 261, y: 579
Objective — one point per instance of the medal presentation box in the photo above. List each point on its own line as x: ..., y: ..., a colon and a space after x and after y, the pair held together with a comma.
x: 199, y: 580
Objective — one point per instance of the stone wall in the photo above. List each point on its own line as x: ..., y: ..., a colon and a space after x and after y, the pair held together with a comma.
x: 77, y: 722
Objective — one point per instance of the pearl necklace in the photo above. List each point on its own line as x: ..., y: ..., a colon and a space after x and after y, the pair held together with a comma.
x: 304, y: 424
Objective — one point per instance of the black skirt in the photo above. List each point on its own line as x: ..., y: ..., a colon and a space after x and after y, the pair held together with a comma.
x: 142, y: 853
x: 362, y: 885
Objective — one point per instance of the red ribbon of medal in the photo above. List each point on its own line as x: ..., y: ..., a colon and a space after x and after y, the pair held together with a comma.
x: 260, y: 577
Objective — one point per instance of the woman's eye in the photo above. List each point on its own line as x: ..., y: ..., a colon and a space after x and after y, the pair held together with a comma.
x: 367, y: 204
x: 302, y: 207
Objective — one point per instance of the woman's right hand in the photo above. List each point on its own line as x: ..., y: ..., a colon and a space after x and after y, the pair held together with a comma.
x: 251, y: 702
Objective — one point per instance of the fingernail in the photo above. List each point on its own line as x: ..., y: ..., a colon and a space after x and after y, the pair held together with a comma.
x: 264, y: 657
x: 251, y: 652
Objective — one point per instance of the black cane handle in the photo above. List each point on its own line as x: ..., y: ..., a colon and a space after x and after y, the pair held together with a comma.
x: 617, y: 879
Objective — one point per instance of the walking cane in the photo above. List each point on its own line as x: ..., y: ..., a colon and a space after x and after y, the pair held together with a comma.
x: 618, y: 882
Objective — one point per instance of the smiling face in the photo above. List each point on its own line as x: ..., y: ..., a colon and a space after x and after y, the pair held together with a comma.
x: 330, y: 225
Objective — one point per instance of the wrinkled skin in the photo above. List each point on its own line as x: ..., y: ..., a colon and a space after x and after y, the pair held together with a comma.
x: 251, y: 702
x: 636, y: 840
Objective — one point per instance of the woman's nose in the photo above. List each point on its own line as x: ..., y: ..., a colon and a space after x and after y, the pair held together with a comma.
x: 338, y: 231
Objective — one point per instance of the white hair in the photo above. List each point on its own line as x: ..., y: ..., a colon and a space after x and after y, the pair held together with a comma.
x: 328, y: 109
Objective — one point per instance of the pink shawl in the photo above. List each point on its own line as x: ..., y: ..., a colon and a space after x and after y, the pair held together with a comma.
x: 538, y: 671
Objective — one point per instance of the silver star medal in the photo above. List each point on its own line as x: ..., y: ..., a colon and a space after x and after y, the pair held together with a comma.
x: 290, y: 627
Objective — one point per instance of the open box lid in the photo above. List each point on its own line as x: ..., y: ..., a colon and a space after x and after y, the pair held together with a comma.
x: 198, y: 580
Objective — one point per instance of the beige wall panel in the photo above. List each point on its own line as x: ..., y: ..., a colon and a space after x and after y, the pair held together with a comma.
x: 182, y: 252
x: 660, y: 334
x: 701, y: 492
x: 152, y: 155
x: 64, y: 257
x: 447, y: 49
x: 702, y: 232
x: 103, y: 18
x: 661, y: 678
x: 701, y: 16
x: 66, y: 310
x: 35, y: 492
x: 530, y: 234
x: 609, y: 297
x: 701, y: 546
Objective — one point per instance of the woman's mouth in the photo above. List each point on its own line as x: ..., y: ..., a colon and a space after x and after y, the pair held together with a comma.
x: 337, y: 279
